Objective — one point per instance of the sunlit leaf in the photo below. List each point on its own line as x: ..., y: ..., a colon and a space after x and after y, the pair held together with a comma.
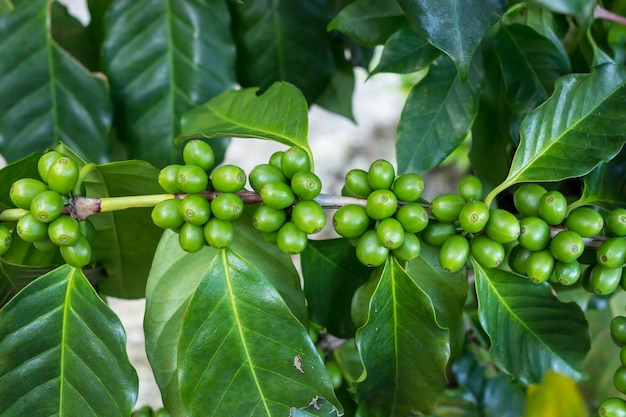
x: 406, y: 51
x: 545, y: 399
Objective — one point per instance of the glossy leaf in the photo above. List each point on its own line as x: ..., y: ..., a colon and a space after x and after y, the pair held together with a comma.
x: 542, y: 400
x: 279, y: 114
x: 604, y: 186
x: 160, y: 57
x: 402, y: 347
x: 72, y: 36
x: 331, y: 274
x: 437, y: 116
x: 25, y: 167
x: 581, y: 9
x: 530, y: 65
x: 406, y: 51
x: 445, y: 25
x: 337, y: 97
x: 46, y: 96
x: 581, y: 125
x: 369, y: 22
x: 531, y: 331
x: 283, y: 41
x: 63, y: 351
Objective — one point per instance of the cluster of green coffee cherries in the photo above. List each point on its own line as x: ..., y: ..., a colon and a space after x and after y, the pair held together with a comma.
x: 615, y: 406
x: 46, y: 224
x: 204, y: 207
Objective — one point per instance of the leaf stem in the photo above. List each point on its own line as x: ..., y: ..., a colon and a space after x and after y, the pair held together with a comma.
x: 11, y: 215
x: 601, y: 13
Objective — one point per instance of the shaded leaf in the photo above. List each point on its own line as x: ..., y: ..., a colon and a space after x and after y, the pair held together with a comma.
x: 46, y: 96
x: 63, y: 351
x: 97, y: 18
x: 444, y: 25
x: 72, y: 36
x: 437, y: 116
x: 161, y: 57
x: 337, y: 97
x: 406, y: 51
x: 25, y: 167
x: 403, y: 349
x: 605, y: 186
x: 542, y: 400
x: 456, y: 403
x: 581, y: 9
x: 531, y: 331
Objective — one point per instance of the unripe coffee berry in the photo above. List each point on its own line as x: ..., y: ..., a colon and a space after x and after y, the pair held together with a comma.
x: 5, y: 240
x: 454, y: 253
x: 290, y: 239
x: 277, y: 194
x: 44, y: 163
x: 276, y: 158
x: 168, y: 179
x: 585, y: 221
x: 370, y: 251
x: 199, y: 153
x: 263, y: 174
x: 540, y: 266
x: 612, y: 407
x: 616, y: 222
x: 486, y: 251
x: 219, y: 234
x: 293, y: 160
x: 413, y: 217
x: 618, y: 330
x: 408, y: 187
x: 553, y: 207
x: 470, y: 188
x: 47, y: 206
x: 24, y: 190
x: 77, y: 255
x: 191, y: 179
x: 409, y: 249
x: 357, y: 183
x: 567, y: 246
x: 612, y: 252
x: 309, y: 216
x: 619, y: 379
x: 381, y: 204
x: 381, y: 175
x: 227, y: 206
x: 473, y: 216
x: 306, y: 185
x: 534, y: 233
x: 518, y: 259
x: 268, y: 219
x: 502, y: 226
x: 195, y: 209
x: 526, y: 199
x: 567, y: 273
x: 167, y: 214
x: 351, y: 221
x: 228, y: 179
x: 390, y: 233
x: 191, y: 237
x: 30, y: 229
x: 446, y: 207
x: 604, y: 281
x: 64, y: 231
x: 437, y: 232
x: 63, y: 175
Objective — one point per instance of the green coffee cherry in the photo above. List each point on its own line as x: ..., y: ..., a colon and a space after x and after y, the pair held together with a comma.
x: 62, y: 175
x: 486, y: 251
x: 616, y: 222
x: 275, y: 159
x: 553, y: 207
x: 191, y: 237
x: 30, y: 229
x: 24, y: 190
x: 195, y: 209
x: 413, y: 217
x: 619, y: 379
x: 446, y: 207
x: 270, y: 237
x: 622, y: 355
x: 227, y: 206
x: 612, y: 252
x: 357, y: 183
x: 290, y: 239
x: 45, y: 161
x: 144, y: 411
x: 470, y: 188
x: 167, y: 214
x: 5, y: 239
x: 473, y: 216
x: 347, y: 193
x: 567, y: 273
x: 540, y: 266
x: 306, y: 185
x: 502, y: 226
x: 603, y: 280
x: 381, y: 175
x: 408, y: 187
x: 263, y: 174
x: 335, y: 374
x: 437, y: 232
x: 526, y: 199
x: 381, y: 204
x: 351, y: 221
x: 45, y: 245
x: 454, y: 253
x: 409, y: 249
x: 567, y: 246
x: 618, y: 330
x: 64, y: 231
x: 277, y: 194
x: 518, y: 259
x: 191, y: 179
x: 168, y: 179
x: 47, y: 206
x: 309, y: 216
x: 88, y: 230
x: 612, y: 407
x: 534, y: 233
x: 268, y: 219
x: 585, y: 221
x: 77, y: 255
x: 370, y: 251
x: 228, y: 178
x: 220, y: 234
x: 199, y: 153
x: 294, y: 159
x: 390, y: 233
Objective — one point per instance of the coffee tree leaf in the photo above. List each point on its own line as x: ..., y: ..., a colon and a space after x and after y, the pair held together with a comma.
x: 331, y: 274
x: 401, y: 332
x: 604, y: 186
x: 73, y: 37
x: 531, y: 331
x: 283, y: 41
x: 437, y: 116
x: 542, y: 399
x: 445, y: 25
x: 161, y: 59
x: 405, y: 52
x: 25, y: 167
x: 6, y: 6
x: 581, y: 9
x: 579, y: 126
x: 369, y: 22
x: 337, y: 96
x: 46, y: 95
x: 64, y: 351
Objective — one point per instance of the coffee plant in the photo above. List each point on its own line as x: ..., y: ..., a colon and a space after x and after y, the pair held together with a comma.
x: 505, y: 298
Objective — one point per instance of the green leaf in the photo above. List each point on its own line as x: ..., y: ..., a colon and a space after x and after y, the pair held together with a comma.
x: 6, y: 6
x: 604, y: 186
x: 25, y: 167
x: 369, y: 22
x: 401, y: 332
x: 161, y: 59
x: 531, y: 331
x: 405, y: 52
x: 437, y: 116
x: 445, y: 25
x: 72, y: 36
x: 331, y: 274
x: 581, y: 125
x: 581, y: 9
x: 530, y: 65
x: 126, y: 238
x: 337, y: 97
x: 279, y: 114
x: 63, y: 351
x: 46, y: 96
x: 283, y: 41
x: 97, y: 19
x: 542, y: 400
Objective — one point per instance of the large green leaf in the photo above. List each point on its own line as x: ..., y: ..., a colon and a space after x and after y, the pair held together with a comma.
x: 403, y: 349
x: 175, y: 276
x: 63, y: 352
x: 279, y: 114
x: 530, y: 65
x: 445, y: 24
x: 437, y: 116
x: 581, y: 125
x: 46, y: 96
x: 25, y: 167
x: 581, y: 9
x: 406, y: 51
x: 531, y: 331
x: 164, y: 57
x: 72, y: 36
x: 604, y: 186
x: 283, y: 41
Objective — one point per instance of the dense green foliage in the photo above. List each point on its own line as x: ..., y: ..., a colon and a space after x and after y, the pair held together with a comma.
x: 492, y: 301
